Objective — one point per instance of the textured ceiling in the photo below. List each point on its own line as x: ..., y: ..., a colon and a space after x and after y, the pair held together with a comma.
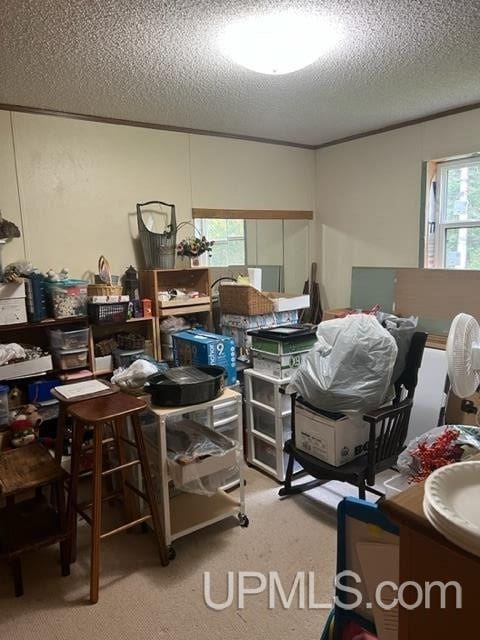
x: 158, y: 62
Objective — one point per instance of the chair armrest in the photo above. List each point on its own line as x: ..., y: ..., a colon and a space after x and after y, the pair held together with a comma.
x: 387, y: 412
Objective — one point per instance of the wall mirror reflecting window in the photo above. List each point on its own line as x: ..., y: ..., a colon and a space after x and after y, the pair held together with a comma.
x: 279, y: 247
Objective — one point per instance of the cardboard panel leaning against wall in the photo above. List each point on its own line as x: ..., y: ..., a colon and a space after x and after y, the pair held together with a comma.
x: 80, y: 181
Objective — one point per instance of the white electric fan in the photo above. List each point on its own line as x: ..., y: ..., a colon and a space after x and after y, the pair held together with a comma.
x: 463, y: 354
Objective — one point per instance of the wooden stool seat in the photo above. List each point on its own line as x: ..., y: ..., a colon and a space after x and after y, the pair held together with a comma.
x: 31, y: 523
x: 99, y: 413
x: 106, y: 408
x: 27, y: 468
x: 64, y: 405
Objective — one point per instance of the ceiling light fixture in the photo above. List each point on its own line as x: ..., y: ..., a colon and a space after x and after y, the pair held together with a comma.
x: 278, y: 43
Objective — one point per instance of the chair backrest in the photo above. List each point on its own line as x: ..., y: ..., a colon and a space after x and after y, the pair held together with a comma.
x: 409, y: 377
x: 389, y: 425
x: 388, y: 434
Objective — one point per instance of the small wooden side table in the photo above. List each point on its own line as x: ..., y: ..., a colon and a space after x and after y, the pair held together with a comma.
x: 427, y: 556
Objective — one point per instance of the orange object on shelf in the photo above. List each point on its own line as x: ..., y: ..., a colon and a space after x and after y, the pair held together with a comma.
x: 147, y: 307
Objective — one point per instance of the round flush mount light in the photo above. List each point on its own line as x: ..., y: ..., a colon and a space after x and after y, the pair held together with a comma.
x: 278, y: 43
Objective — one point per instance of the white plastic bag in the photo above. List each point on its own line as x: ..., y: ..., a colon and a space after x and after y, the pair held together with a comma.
x: 350, y: 367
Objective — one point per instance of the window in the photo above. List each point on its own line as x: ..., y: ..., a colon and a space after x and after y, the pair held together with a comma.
x: 453, y: 226
x: 229, y: 237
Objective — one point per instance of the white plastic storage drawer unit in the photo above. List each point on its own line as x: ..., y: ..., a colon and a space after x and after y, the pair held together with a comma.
x: 269, y: 422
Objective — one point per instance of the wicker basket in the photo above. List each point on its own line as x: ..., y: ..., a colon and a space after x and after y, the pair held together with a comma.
x: 106, y: 288
x: 244, y: 300
x: 105, y: 347
x: 130, y: 341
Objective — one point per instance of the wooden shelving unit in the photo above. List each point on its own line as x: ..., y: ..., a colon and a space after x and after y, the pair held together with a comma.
x: 36, y: 333
x: 154, y: 281
x: 144, y: 326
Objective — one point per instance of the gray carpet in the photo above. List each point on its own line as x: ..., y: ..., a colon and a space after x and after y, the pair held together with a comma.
x: 140, y: 600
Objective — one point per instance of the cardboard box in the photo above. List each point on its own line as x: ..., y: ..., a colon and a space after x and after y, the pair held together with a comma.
x: 331, y: 314
x: 283, y: 347
x: 289, y: 301
x: 280, y: 367
x: 200, y: 347
x: 463, y: 411
x: 13, y: 308
x: 334, y: 441
x: 237, y: 326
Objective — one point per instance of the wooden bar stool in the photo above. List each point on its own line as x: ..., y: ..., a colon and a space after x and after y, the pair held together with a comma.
x: 64, y: 405
x: 99, y: 413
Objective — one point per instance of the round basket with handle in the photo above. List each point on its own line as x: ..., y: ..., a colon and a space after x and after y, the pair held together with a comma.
x: 158, y: 248
x: 104, y: 285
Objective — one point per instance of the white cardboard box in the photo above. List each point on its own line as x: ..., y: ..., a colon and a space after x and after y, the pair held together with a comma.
x: 13, y: 309
x: 280, y: 367
x: 290, y: 302
x: 335, y: 442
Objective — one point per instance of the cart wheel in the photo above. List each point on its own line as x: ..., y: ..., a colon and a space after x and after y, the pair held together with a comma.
x: 172, y: 554
x: 243, y: 520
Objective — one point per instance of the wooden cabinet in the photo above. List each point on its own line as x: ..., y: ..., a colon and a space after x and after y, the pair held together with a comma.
x: 425, y: 557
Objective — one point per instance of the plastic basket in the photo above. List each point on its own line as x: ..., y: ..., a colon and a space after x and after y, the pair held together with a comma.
x: 108, y: 313
x: 158, y: 248
x: 67, y: 298
x: 244, y: 300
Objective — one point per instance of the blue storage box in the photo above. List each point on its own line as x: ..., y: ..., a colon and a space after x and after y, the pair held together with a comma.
x: 39, y: 391
x: 200, y: 347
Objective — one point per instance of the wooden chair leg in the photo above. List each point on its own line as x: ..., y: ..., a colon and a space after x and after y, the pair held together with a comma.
x: 149, y: 490
x: 16, y: 566
x: 362, y: 494
x: 96, y: 514
x: 129, y: 501
x: 78, y: 430
x: 60, y: 438
x: 65, y: 544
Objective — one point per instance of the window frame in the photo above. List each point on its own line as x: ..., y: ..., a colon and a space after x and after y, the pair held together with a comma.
x: 201, y: 224
x: 441, y: 228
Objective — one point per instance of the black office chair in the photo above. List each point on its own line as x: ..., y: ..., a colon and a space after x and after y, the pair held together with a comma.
x: 387, y: 435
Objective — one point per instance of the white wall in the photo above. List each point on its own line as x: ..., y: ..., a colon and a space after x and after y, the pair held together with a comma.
x: 369, y: 197
x: 9, y: 205
x: 76, y: 184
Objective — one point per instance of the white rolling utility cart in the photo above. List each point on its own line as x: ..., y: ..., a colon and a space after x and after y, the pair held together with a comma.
x: 183, y: 512
x: 269, y: 422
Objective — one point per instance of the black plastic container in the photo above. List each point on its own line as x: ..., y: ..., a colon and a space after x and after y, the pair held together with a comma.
x: 182, y: 386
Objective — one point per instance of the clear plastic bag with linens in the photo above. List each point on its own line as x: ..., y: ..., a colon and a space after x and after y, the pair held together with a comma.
x: 467, y: 444
x: 200, y: 460
x: 350, y: 366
